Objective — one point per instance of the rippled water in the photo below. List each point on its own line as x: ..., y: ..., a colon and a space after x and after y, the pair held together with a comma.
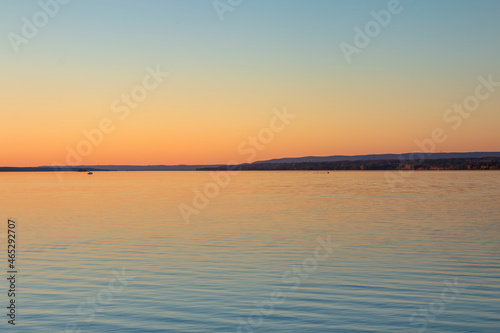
x: 272, y: 252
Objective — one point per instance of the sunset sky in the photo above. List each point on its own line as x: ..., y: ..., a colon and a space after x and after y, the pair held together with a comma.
x: 225, y: 78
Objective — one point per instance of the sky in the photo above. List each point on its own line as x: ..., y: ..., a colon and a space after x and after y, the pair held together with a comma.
x: 201, y: 82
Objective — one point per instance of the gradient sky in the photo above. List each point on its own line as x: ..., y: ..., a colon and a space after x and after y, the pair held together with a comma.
x: 226, y: 77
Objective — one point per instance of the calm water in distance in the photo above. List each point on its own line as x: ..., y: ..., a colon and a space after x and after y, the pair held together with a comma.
x: 111, y: 252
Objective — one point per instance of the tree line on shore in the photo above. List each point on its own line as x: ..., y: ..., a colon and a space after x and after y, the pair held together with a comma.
x: 486, y: 163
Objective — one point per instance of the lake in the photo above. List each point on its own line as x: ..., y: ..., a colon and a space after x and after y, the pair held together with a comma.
x: 259, y: 252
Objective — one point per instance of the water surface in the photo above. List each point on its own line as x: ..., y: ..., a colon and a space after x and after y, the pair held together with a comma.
x: 399, y: 251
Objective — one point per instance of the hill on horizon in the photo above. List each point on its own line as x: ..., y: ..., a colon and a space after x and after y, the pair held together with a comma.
x: 313, y: 159
x: 374, y: 157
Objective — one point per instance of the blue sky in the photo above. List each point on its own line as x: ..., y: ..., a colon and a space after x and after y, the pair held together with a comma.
x: 427, y: 32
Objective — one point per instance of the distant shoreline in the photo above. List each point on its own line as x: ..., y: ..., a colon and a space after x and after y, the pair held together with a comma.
x: 451, y: 164
x: 317, y: 171
x: 423, y: 164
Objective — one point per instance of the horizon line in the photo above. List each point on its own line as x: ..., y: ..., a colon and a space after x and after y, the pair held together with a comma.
x: 266, y: 160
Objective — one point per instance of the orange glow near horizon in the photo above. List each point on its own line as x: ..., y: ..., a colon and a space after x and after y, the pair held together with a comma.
x: 173, y: 130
